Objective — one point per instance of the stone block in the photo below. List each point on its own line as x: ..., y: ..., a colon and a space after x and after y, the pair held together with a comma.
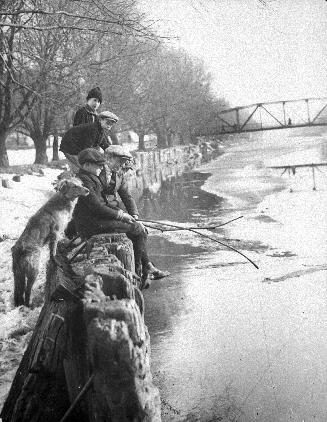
x: 6, y: 183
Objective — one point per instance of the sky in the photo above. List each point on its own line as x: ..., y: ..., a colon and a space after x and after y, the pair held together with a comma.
x: 255, y: 53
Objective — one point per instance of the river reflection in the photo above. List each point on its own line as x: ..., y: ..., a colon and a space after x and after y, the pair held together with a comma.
x: 226, y: 347
x: 181, y: 199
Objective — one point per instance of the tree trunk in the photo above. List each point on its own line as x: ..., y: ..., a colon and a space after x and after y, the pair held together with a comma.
x: 182, y: 139
x: 55, y: 146
x: 161, y: 140
x: 40, y: 151
x: 4, y: 161
x: 161, y: 137
x: 169, y: 138
x: 141, y: 141
x: 194, y: 139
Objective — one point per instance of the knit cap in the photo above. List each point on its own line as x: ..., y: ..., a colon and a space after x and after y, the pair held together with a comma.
x: 95, y: 93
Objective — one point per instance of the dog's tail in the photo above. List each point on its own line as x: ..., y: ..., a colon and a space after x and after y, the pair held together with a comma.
x: 25, y: 265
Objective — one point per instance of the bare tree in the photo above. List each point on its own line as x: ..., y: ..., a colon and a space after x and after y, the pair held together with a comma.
x: 30, y: 59
x: 170, y: 96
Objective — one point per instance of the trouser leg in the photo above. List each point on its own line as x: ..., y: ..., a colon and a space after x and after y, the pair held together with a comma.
x: 140, y: 252
x: 133, y: 231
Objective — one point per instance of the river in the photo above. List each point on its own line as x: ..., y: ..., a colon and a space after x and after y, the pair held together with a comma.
x: 230, y: 342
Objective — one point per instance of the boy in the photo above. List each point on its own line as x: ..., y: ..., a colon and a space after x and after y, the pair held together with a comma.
x: 88, y: 113
x: 90, y: 135
x: 94, y: 214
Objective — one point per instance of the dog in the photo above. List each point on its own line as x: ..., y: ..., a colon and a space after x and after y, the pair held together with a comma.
x: 44, y: 227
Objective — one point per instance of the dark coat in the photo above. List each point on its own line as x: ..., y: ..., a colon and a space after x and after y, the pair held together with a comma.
x: 84, y: 115
x: 81, y: 137
x: 92, y: 209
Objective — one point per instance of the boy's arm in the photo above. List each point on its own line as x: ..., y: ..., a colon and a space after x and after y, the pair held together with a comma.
x: 80, y: 117
x: 127, y: 198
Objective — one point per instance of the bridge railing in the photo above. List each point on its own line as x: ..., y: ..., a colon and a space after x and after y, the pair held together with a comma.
x: 271, y: 115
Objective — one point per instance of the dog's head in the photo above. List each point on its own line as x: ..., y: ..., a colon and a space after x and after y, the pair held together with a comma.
x: 72, y: 188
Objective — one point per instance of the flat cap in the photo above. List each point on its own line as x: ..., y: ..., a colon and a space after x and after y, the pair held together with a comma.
x: 91, y: 155
x: 118, y: 151
x: 108, y: 115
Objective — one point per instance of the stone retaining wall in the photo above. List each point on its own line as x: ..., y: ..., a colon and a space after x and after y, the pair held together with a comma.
x: 88, y: 359
x: 155, y: 167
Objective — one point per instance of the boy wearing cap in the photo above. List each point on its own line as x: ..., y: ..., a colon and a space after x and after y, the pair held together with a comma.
x: 88, y: 113
x: 90, y: 135
x: 113, y: 178
x: 95, y: 214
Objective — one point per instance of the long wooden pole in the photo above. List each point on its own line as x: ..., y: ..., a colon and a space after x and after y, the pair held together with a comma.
x: 188, y: 228
x: 207, y: 237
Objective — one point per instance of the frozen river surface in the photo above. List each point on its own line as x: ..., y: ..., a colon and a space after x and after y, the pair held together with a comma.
x: 229, y: 342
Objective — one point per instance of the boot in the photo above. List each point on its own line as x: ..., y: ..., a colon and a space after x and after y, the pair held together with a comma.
x: 154, y: 273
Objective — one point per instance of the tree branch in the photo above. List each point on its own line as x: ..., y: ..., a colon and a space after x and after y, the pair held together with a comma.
x: 13, y: 79
x: 53, y: 27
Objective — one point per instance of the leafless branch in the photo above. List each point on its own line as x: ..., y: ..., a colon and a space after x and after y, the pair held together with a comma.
x: 133, y: 25
x: 53, y: 27
x: 13, y: 79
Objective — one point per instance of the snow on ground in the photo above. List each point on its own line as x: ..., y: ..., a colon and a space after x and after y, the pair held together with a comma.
x: 294, y: 226
x: 294, y: 219
x: 27, y: 156
x: 17, y: 206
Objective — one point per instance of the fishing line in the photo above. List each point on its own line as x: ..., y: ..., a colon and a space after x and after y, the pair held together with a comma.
x: 203, y: 235
x: 195, y: 228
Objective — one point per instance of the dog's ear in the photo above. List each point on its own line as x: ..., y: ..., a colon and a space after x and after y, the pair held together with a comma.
x: 63, y: 186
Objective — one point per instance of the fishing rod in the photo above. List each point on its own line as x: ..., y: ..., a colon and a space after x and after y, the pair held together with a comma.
x: 203, y: 235
x: 193, y: 228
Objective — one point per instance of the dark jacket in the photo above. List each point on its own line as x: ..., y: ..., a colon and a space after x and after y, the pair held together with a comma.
x: 84, y: 115
x: 94, y: 208
x: 81, y: 137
